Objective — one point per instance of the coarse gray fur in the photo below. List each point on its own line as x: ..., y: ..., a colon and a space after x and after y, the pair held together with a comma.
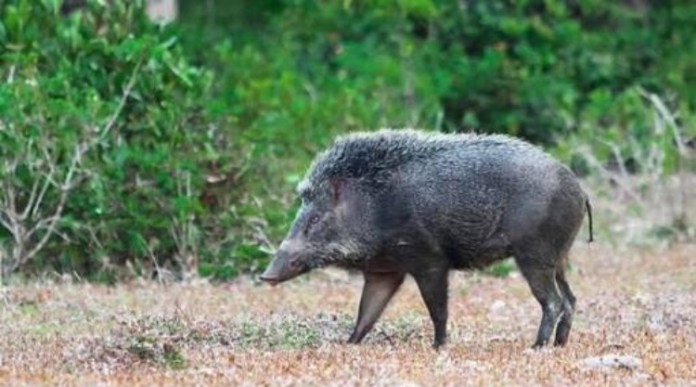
x: 398, y: 202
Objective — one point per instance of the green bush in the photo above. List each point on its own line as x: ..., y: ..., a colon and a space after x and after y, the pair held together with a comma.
x: 530, y: 68
x: 129, y: 145
x: 106, y: 143
x: 567, y: 75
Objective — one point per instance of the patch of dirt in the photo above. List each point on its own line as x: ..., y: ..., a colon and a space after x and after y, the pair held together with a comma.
x: 636, y: 308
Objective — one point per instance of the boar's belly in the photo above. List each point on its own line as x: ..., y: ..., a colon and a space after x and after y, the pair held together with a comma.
x: 468, y: 257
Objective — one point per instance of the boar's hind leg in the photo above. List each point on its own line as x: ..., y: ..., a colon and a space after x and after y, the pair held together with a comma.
x: 378, y: 290
x: 566, y: 322
x: 542, y: 282
x: 433, y: 288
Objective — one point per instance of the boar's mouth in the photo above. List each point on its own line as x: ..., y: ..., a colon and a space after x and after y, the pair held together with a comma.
x: 269, y: 280
x: 277, y: 272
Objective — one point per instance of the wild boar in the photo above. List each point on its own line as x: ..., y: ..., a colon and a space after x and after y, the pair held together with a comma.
x: 393, y: 203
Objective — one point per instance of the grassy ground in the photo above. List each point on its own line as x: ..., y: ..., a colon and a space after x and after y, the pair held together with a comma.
x: 637, y: 303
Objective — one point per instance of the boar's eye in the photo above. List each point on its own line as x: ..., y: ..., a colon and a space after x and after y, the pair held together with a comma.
x: 314, y: 219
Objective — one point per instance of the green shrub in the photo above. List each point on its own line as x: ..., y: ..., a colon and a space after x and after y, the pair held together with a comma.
x: 530, y: 68
x: 128, y: 145
x: 106, y: 142
x: 567, y: 75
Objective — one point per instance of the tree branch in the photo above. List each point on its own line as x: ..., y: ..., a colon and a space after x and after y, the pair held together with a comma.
x: 30, y: 202
x: 13, y: 220
x: 64, y: 190
x: 668, y: 117
x: 122, y: 101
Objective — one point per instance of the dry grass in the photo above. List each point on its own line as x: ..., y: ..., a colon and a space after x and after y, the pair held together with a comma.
x: 638, y: 303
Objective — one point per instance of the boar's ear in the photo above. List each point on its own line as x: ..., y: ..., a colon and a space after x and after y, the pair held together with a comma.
x: 338, y: 186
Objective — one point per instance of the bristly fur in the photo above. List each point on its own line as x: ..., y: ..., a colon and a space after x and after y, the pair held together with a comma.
x: 396, y: 202
x: 345, y: 252
x: 369, y: 155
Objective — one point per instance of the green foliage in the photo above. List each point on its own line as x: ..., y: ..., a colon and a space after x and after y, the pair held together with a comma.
x: 173, y: 358
x: 528, y: 68
x: 129, y: 145
x: 501, y: 269
x: 155, y: 340
x: 107, y: 85
x: 569, y: 75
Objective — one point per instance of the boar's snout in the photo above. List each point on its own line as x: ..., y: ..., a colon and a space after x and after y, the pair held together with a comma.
x: 286, y: 264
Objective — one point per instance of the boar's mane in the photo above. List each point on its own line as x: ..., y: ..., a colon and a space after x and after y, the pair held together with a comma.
x: 372, y: 156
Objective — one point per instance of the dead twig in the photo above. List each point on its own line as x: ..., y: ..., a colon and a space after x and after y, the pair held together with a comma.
x: 25, y: 223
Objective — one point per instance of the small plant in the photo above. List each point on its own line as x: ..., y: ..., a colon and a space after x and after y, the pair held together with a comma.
x: 143, y: 348
x: 173, y: 358
x: 296, y: 335
x: 501, y: 269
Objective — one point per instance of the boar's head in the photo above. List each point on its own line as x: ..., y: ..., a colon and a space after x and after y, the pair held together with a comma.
x: 329, y: 228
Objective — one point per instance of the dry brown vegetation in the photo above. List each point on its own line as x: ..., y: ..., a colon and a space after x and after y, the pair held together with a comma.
x: 637, y: 303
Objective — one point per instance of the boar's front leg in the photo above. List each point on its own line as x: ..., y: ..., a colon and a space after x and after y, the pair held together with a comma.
x: 378, y: 290
x: 433, y: 283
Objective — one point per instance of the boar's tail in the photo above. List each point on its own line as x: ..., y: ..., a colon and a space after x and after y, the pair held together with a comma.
x: 588, y: 206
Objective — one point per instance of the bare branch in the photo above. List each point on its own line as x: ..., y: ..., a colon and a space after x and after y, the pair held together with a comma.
x: 10, y: 76
x: 64, y: 190
x: 51, y: 168
x: 122, y: 102
x: 77, y: 157
x: 608, y: 176
x: 32, y: 195
x: 4, y: 221
x: 39, y: 200
x: 14, y: 221
x: 7, y: 218
x: 10, y: 202
x: 617, y: 155
x: 40, y: 225
x: 94, y: 237
x: 155, y: 264
x: 30, y: 202
x: 668, y: 117
x: 11, y: 223
x: 50, y: 229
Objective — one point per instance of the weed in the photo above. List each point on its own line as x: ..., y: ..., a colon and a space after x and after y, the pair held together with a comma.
x: 501, y: 269
x: 143, y: 348
x: 173, y: 358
